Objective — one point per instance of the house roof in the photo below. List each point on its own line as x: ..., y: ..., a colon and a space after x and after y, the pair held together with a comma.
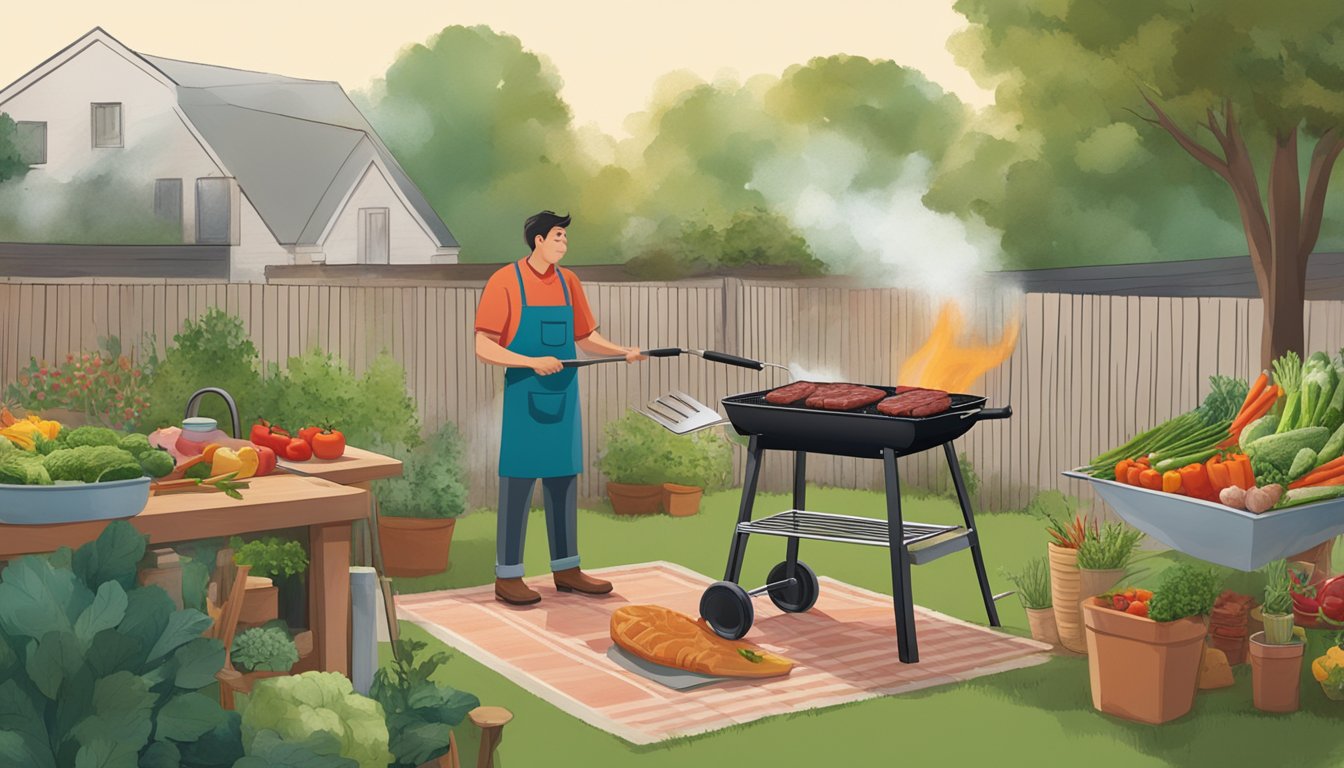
x: 296, y: 146
x: 1227, y: 277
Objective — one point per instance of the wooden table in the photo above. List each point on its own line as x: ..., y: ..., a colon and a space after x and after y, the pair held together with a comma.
x: 357, y: 467
x: 278, y: 501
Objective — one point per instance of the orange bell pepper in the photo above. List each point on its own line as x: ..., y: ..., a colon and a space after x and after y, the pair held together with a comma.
x: 1218, y: 475
x: 1142, y: 460
x: 1195, y: 481
x: 1122, y: 469
x: 1132, y: 474
x: 1235, y: 476
x: 1151, y: 479
x: 1171, y: 481
x: 1247, y: 473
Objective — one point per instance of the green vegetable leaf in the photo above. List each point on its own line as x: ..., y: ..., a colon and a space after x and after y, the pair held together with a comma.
x: 20, y: 715
x: 112, y: 651
x: 187, y: 717
x: 106, y: 753
x: 197, y: 663
x: 105, y: 612
x: 269, y: 750
x: 20, y: 749
x: 147, y: 612
x: 220, y: 747
x: 51, y: 659
x: 123, y: 709
x: 417, y: 741
x: 161, y: 754
x: 113, y: 556
x: 36, y: 598
x: 183, y: 627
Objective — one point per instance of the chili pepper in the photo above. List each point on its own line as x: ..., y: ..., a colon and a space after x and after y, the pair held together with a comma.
x: 1151, y: 479
x: 1171, y: 481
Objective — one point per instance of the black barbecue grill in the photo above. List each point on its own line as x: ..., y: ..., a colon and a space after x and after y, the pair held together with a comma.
x: 863, y: 433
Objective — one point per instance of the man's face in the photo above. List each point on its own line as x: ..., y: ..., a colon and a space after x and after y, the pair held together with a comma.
x: 552, y: 248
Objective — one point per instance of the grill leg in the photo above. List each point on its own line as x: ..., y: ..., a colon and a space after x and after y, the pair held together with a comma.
x: 906, y: 646
x: 739, y: 548
x: 973, y: 536
x: 799, y: 503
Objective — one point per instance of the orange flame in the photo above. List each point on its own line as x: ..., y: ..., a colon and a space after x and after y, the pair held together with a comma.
x: 942, y: 363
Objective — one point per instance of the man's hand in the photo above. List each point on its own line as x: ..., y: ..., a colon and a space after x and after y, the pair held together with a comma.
x: 632, y: 355
x: 545, y: 366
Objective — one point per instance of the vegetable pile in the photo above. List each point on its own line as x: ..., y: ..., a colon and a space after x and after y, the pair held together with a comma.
x: 43, y: 452
x: 1274, y: 443
x: 1129, y: 600
x: 323, y: 442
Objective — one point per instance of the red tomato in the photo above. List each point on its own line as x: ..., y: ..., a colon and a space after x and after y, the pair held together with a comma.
x: 328, y: 444
x: 297, y: 450
x: 306, y: 434
x: 260, y: 432
x: 277, y: 440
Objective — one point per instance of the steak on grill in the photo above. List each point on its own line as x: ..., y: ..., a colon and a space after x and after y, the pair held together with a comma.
x: 844, y: 397
x: 791, y: 393
x: 916, y: 403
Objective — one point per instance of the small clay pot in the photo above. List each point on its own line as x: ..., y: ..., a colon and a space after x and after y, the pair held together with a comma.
x: 627, y: 499
x: 1042, y: 623
x: 1276, y: 674
x: 681, y: 500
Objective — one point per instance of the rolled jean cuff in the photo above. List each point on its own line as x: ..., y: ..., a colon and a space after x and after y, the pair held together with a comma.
x: 509, y: 571
x: 565, y: 563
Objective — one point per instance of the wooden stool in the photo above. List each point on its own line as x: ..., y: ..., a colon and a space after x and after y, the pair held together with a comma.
x: 491, y: 721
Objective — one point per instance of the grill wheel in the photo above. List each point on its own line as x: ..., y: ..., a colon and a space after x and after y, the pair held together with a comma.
x: 798, y: 597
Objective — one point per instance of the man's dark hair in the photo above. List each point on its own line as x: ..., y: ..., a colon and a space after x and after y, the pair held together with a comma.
x: 540, y: 225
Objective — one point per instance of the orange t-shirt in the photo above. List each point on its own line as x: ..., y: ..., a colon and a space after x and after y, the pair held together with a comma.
x: 502, y: 303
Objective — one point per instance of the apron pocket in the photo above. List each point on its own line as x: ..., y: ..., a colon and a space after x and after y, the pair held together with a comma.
x: 546, y: 407
x: 555, y: 333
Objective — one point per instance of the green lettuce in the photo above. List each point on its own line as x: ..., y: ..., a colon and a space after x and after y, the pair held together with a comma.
x: 319, y: 711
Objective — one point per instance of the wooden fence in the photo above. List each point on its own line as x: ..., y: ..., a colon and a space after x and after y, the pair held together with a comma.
x: 1087, y: 373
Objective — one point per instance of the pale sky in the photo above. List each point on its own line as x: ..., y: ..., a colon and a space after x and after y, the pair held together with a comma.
x: 609, y: 52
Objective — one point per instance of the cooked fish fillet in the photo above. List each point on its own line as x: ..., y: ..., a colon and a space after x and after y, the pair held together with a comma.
x: 663, y: 636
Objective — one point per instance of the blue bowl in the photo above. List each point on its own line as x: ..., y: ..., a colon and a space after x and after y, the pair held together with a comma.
x: 48, y: 504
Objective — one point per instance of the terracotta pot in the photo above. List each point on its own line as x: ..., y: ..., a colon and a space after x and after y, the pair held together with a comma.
x: 634, y: 499
x: 1042, y: 623
x: 1092, y: 582
x: 681, y: 500
x: 261, y: 602
x: 1276, y: 674
x: 415, y: 546
x: 1064, y: 589
x: 1143, y: 670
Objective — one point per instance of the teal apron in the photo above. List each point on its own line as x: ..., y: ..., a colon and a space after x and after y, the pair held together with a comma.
x: 542, y: 436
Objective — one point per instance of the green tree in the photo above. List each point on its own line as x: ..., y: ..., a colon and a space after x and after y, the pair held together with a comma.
x: 11, y: 162
x: 755, y: 236
x: 1101, y: 90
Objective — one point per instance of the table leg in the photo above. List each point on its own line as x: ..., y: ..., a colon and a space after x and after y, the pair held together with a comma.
x: 330, y: 596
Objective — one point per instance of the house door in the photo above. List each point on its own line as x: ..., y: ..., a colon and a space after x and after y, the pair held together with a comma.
x: 213, y: 214
x: 374, y: 245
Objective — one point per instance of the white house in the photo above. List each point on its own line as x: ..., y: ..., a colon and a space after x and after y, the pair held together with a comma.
x: 278, y: 169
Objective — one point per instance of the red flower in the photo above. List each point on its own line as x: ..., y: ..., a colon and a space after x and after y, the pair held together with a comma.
x: 41, y: 396
x: 42, y: 372
x: 85, y: 358
x: 128, y: 413
x: 55, y: 386
x: 85, y: 385
x: 69, y: 358
x: 136, y: 373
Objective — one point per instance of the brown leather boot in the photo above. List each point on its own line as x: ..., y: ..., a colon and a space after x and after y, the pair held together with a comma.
x: 515, y: 592
x: 574, y: 580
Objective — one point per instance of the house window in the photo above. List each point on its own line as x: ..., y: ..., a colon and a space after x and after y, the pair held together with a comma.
x: 30, y: 139
x: 213, y: 210
x: 168, y: 199
x: 374, y: 245
x: 107, y: 125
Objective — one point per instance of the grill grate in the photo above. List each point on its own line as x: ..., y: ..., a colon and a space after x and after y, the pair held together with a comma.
x: 959, y: 403
x: 802, y: 524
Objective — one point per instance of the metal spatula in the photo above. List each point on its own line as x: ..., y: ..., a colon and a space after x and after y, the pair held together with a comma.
x: 682, y: 414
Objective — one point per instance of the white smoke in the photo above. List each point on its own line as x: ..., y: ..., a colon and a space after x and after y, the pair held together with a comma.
x: 886, y: 235
x: 823, y: 374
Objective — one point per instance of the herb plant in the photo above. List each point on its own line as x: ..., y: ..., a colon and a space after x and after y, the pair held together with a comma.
x: 420, y: 713
x: 1033, y: 583
x: 1071, y: 535
x: 1184, y: 590
x: 271, y: 557
x: 264, y: 649
x: 1278, y: 586
x: 1110, y: 548
x: 433, y: 482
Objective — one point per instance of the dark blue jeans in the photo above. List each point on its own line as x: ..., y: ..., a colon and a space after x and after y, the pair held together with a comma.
x: 560, y: 495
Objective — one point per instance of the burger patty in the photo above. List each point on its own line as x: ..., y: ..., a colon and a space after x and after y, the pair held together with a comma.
x: 791, y: 393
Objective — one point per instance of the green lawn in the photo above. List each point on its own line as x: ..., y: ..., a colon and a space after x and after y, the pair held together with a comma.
x: 1031, y: 717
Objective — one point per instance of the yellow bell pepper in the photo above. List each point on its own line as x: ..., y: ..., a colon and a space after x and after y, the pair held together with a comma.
x: 49, y: 429
x: 23, y: 432
x: 250, y: 460
x: 224, y: 462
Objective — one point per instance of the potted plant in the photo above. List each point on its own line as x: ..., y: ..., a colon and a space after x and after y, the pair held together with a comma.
x: 1276, y: 655
x: 1033, y: 590
x: 632, y: 460
x: 419, y: 510
x: 1146, y: 668
x: 420, y: 713
x: 1104, y: 555
x: 695, y: 463
x: 259, y: 653
x: 1064, y: 580
x: 279, y: 567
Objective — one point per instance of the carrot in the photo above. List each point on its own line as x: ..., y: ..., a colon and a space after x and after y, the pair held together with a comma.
x: 1259, y: 386
x: 1317, y: 478
x: 1257, y: 409
x: 1328, y: 469
x: 1336, y: 480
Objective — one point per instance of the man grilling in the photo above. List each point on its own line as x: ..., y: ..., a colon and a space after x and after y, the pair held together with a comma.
x: 532, y: 314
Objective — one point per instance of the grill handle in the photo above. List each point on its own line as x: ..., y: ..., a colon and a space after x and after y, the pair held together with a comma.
x: 664, y: 352
x: 742, y: 362
x: 995, y: 413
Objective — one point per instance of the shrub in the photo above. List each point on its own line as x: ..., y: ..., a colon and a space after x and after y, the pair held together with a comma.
x: 433, y: 482
x: 94, y: 665
x: 703, y: 459
x: 1052, y: 504
x: 632, y: 451
x: 111, y: 388
x: 318, y: 712
x: 213, y: 351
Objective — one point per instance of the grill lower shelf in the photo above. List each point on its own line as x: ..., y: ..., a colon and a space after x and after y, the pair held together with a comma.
x: 934, y: 541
